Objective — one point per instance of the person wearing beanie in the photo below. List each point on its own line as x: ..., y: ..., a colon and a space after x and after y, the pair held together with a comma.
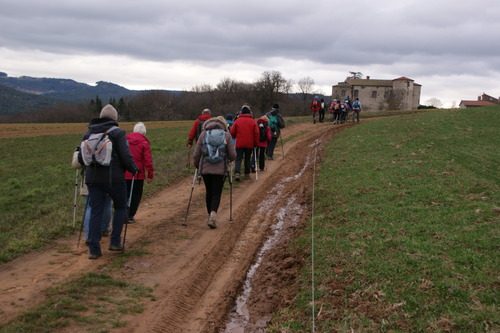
x: 140, y: 149
x: 246, y: 133
x: 264, y: 138
x: 213, y: 173
x: 107, y: 180
x: 109, y: 112
x: 276, y: 123
x: 197, y: 127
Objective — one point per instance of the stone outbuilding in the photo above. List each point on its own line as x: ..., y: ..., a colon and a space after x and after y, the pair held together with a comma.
x: 398, y: 94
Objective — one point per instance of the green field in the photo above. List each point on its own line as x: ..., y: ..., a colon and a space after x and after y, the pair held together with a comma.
x: 406, y: 228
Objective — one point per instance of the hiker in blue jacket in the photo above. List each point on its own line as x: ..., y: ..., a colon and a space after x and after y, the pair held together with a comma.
x: 108, y: 180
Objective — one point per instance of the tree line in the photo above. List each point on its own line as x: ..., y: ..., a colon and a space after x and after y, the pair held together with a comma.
x: 225, y: 97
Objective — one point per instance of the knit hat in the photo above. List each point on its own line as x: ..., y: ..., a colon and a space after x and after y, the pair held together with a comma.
x: 206, y: 111
x: 229, y: 116
x: 245, y: 110
x: 110, y: 112
x: 276, y: 106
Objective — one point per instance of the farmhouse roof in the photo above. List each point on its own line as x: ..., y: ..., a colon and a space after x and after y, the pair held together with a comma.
x: 369, y: 82
x: 476, y: 103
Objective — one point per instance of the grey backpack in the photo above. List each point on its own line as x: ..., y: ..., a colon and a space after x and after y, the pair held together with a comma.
x: 97, y: 149
x: 214, y: 146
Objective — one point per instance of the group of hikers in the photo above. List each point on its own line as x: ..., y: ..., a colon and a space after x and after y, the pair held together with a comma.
x: 115, y: 165
x: 339, y: 109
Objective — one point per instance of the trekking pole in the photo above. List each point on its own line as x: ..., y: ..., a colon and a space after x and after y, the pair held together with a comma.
x: 231, y: 192
x: 190, y: 197
x: 83, y: 220
x: 126, y: 216
x: 74, y: 202
x: 255, y: 161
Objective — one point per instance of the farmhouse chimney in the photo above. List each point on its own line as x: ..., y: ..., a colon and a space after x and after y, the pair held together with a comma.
x: 368, y: 77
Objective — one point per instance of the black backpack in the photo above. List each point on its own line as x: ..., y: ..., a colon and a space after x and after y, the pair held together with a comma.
x: 262, y: 132
x: 199, y: 129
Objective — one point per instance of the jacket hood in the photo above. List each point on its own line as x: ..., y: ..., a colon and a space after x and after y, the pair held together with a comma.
x: 204, y: 116
x: 213, y: 123
x: 136, y: 138
x: 99, y: 125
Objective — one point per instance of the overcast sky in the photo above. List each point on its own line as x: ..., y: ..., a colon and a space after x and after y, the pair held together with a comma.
x: 450, y: 47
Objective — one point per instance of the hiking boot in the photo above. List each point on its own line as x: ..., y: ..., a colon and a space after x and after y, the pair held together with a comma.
x: 237, y: 177
x: 105, y: 233
x: 247, y: 176
x: 93, y: 256
x: 115, y: 247
x: 212, y: 219
x: 252, y: 169
x: 130, y: 220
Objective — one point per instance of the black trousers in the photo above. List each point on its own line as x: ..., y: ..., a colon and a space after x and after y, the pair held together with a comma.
x: 213, y: 186
x: 271, y: 145
x: 136, y: 195
x: 246, y: 154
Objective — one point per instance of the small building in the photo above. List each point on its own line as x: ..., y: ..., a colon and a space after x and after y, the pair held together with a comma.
x: 483, y: 100
x: 398, y: 94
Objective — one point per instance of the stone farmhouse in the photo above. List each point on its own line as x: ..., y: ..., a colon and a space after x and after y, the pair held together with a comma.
x: 398, y: 94
x: 482, y: 100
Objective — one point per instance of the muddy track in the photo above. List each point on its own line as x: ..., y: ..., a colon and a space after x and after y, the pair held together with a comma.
x: 196, y: 273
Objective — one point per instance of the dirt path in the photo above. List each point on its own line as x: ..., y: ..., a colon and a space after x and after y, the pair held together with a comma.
x: 196, y: 273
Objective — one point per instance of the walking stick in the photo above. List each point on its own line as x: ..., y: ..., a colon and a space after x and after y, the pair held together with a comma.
x: 126, y: 216
x: 255, y: 161
x: 230, y: 192
x: 74, y: 202
x: 190, y: 197
x: 83, y: 220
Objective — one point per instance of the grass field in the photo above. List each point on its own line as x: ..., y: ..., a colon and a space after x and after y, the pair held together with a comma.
x: 406, y: 228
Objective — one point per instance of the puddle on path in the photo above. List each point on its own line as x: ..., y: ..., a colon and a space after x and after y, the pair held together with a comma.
x: 288, y: 215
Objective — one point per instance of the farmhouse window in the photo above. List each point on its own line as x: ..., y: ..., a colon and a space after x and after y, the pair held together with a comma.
x: 374, y: 94
x: 355, y: 93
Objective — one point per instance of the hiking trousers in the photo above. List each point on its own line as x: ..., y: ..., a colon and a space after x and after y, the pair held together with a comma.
x: 213, y: 186
x: 246, y: 155
x: 97, y: 197
x: 270, y: 147
x: 136, y: 195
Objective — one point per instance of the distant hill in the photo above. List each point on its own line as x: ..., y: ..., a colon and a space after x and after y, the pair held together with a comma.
x: 14, y: 101
x: 25, y: 93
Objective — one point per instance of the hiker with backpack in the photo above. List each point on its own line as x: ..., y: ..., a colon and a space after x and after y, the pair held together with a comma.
x: 276, y: 123
x: 246, y: 133
x: 214, y: 150
x: 197, y: 127
x: 315, y: 107
x: 108, y: 203
x: 104, y: 175
x: 264, y: 139
x: 140, y: 149
x: 322, y: 110
x: 356, y: 108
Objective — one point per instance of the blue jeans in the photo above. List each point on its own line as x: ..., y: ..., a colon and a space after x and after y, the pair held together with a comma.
x: 97, y: 195
x: 106, y: 216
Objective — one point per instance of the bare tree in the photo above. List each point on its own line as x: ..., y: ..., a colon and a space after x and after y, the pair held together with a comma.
x: 434, y: 102
x: 355, y: 75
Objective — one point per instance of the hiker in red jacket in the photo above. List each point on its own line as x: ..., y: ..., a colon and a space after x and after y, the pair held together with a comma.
x: 315, y: 107
x: 198, y: 126
x: 264, y: 138
x: 141, y: 152
x: 246, y: 133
